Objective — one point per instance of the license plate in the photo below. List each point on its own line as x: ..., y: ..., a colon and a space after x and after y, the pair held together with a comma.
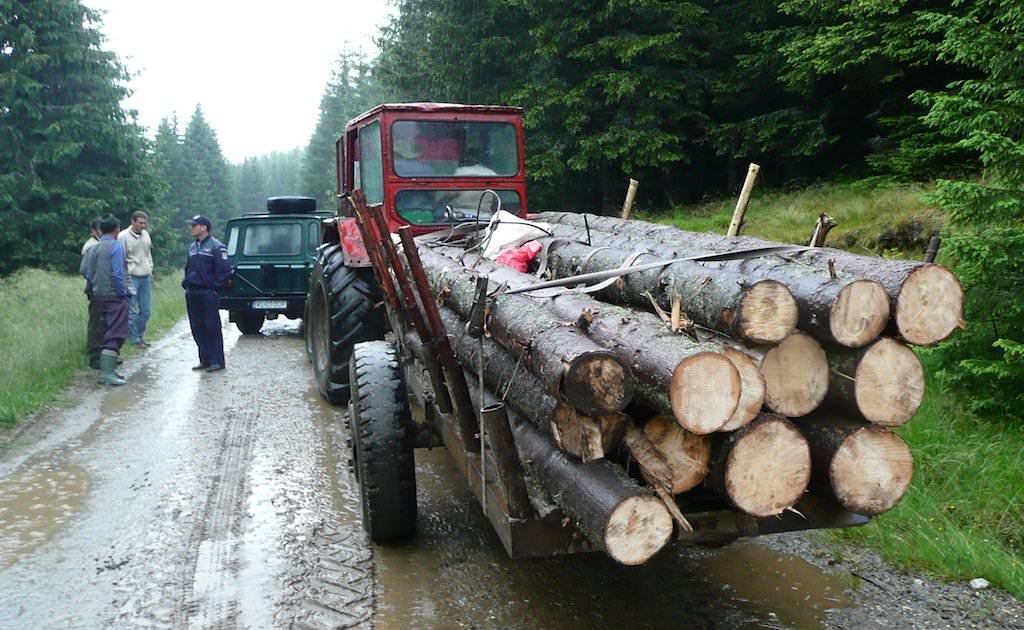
x: 269, y: 304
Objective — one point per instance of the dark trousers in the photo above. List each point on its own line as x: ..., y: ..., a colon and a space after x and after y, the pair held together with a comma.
x: 115, y: 321
x: 204, y: 318
x: 94, y: 333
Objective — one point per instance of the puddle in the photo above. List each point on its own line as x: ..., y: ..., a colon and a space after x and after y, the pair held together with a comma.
x: 457, y: 574
x: 35, y: 505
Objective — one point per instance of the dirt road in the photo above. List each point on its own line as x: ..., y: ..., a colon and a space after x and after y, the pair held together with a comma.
x: 194, y: 500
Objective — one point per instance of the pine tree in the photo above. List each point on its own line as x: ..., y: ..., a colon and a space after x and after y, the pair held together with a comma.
x: 351, y: 91
x: 68, y: 151
x: 210, y: 186
x: 251, y: 181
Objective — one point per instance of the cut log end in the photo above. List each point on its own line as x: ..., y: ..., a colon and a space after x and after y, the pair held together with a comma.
x: 859, y: 313
x: 705, y: 392
x: 598, y: 383
x: 930, y: 305
x: 768, y: 312
x: 638, y: 528
x: 796, y: 374
x: 751, y: 392
x: 871, y: 471
x: 769, y: 468
x: 889, y: 384
x: 686, y: 454
x: 576, y: 433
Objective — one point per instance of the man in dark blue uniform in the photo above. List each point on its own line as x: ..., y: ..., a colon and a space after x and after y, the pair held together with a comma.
x: 206, y: 272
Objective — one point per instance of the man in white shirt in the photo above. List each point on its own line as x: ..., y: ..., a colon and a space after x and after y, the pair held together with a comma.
x: 139, y: 254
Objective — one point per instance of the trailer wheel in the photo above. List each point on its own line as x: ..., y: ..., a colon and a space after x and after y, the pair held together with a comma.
x: 248, y: 322
x: 382, y: 442
x: 344, y: 309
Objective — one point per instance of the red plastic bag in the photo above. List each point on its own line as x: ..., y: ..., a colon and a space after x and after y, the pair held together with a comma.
x: 519, y: 257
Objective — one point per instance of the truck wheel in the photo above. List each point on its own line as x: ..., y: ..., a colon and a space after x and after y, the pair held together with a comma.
x: 249, y: 323
x: 307, y: 338
x: 382, y: 443
x: 343, y: 310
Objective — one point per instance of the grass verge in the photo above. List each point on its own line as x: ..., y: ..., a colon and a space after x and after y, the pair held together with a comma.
x: 42, y: 330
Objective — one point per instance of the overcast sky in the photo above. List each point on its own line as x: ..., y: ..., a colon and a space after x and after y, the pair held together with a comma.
x: 258, y: 67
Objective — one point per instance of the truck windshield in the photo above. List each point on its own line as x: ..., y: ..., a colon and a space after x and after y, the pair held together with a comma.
x: 430, y: 207
x: 426, y: 148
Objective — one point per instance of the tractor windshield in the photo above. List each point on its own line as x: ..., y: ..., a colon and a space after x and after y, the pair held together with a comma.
x: 426, y: 148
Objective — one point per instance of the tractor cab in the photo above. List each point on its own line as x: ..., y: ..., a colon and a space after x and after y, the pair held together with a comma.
x: 435, y: 164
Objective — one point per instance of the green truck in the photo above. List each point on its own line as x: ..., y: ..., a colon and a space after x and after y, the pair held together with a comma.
x: 271, y: 255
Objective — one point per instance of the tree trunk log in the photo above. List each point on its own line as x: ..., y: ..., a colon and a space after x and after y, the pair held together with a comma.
x: 568, y: 363
x: 883, y: 383
x: 926, y: 299
x: 867, y: 468
x: 763, y: 468
x: 761, y: 312
x: 688, y: 455
x: 845, y: 310
x: 694, y: 382
x: 580, y: 434
x: 606, y: 504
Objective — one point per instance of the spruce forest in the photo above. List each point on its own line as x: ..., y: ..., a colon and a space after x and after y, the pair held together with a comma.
x: 679, y: 95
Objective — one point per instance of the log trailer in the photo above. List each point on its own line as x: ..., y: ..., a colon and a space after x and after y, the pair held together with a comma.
x: 595, y: 420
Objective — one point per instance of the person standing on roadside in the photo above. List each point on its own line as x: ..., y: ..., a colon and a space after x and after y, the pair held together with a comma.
x: 94, y: 329
x: 138, y: 250
x: 106, y: 276
x: 206, y: 272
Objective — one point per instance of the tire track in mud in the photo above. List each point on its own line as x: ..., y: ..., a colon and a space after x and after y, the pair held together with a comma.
x: 209, y: 594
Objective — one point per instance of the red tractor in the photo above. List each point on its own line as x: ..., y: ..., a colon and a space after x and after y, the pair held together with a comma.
x: 428, y: 165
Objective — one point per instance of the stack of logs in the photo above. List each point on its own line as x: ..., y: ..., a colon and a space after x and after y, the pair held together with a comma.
x: 748, y: 381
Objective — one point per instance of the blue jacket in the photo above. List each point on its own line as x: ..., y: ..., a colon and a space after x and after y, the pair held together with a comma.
x: 105, y: 269
x: 207, y: 265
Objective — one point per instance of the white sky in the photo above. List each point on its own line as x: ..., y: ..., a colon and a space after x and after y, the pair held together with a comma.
x: 258, y: 67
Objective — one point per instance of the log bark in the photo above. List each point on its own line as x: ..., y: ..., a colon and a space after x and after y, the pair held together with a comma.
x: 687, y: 455
x: 926, y: 299
x: 761, y: 311
x: 695, y: 382
x: 843, y: 310
x: 568, y: 363
x: 883, y: 383
x: 867, y: 468
x: 763, y: 468
x: 580, y: 434
x: 606, y: 504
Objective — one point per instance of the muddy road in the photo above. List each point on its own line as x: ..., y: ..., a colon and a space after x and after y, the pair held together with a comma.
x: 194, y: 500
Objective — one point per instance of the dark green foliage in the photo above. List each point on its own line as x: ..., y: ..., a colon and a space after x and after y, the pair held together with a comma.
x: 68, y: 152
x: 271, y: 175
x: 351, y: 91
x: 984, y: 115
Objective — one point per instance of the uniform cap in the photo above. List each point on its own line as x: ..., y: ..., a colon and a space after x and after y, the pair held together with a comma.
x: 200, y: 219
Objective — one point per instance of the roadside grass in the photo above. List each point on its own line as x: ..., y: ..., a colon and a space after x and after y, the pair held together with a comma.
x: 963, y: 516
x: 870, y: 219
x: 42, y: 331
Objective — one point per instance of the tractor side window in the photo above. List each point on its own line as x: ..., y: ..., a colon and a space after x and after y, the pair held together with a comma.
x: 371, y: 170
x: 233, y: 240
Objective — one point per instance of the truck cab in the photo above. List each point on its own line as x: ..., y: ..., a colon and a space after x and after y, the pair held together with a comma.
x: 431, y: 164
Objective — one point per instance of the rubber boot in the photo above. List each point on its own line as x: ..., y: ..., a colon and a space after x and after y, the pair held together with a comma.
x: 107, y: 376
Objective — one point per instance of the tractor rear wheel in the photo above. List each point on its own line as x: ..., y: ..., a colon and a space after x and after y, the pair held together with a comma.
x: 382, y: 442
x: 344, y: 309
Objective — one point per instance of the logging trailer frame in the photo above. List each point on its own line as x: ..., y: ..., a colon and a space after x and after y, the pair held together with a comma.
x: 406, y: 389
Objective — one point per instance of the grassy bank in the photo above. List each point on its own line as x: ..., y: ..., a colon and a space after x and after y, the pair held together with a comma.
x: 42, y: 331
x: 964, y: 514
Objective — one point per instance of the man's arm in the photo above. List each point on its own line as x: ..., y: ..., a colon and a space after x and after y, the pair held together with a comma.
x: 221, y: 268
x: 117, y: 269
